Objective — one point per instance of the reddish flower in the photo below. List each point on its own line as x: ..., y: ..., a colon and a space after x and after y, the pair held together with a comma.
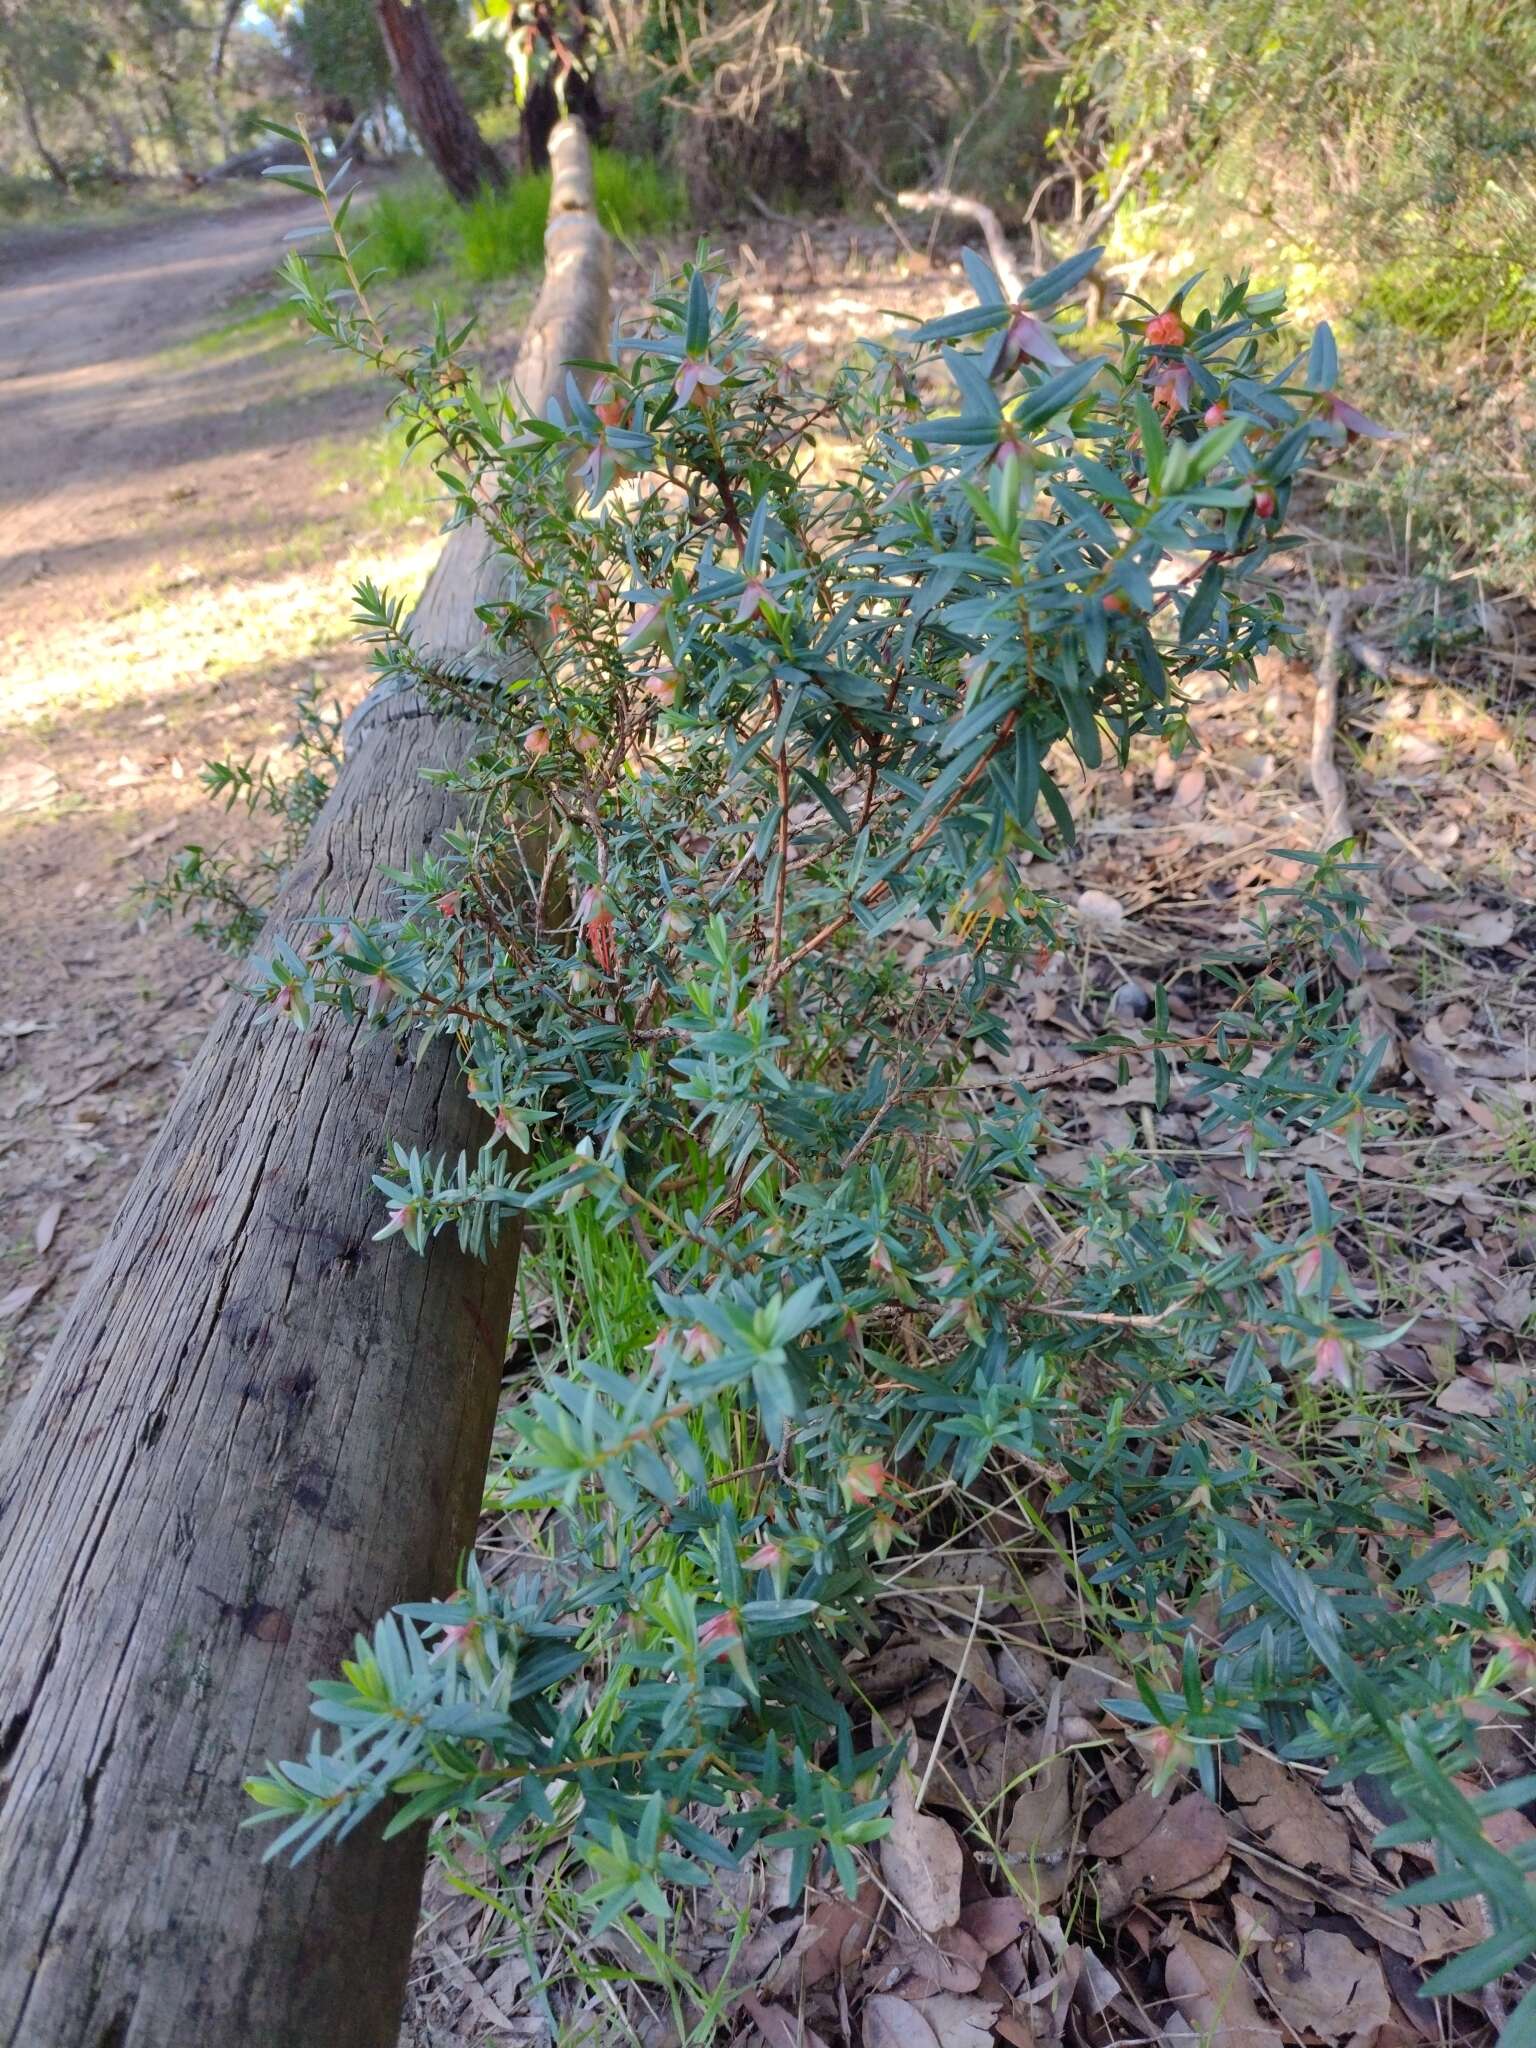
x: 1166, y: 1750
x: 1214, y: 414
x: 598, y: 919
x: 699, y: 1345
x: 1518, y: 1651
x: 696, y: 373
x: 649, y: 625
x: 1330, y: 1362
x: 1171, y: 391
x: 1166, y: 330
x: 720, y: 1634
x: 448, y: 905
x: 1028, y: 336
x: 751, y: 601
x: 536, y: 742
x: 662, y: 686
x: 1354, y: 422
x: 767, y: 1557
x: 1265, y: 502
x: 865, y: 1480
x: 1307, y: 1268
x: 283, y: 998
x: 458, y: 1635
x: 380, y: 989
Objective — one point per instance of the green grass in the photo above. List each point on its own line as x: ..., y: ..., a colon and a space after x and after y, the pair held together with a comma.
x: 414, y: 224
x: 407, y: 225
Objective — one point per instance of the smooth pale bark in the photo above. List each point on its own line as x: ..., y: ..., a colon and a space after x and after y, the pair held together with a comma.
x: 257, y: 1430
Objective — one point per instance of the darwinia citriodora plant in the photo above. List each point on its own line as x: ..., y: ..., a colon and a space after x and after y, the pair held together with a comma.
x: 783, y: 683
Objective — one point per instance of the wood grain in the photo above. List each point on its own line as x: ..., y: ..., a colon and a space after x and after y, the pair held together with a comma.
x: 257, y: 1430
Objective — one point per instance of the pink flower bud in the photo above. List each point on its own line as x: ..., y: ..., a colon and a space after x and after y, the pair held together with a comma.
x: 448, y: 905
x: 1166, y: 330
x: 1264, y: 502
x: 1331, y: 1363
x: 1214, y: 414
x: 864, y: 1480
x: 1307, y: 1268
x: 536, y: 742
x: 283, y: 999
x: 698, y: 1345
x: 1518, y: 1652
x: 720, y: 1633
x: 661, y: 687
x: 767, y: 1557
x: 585, y: 740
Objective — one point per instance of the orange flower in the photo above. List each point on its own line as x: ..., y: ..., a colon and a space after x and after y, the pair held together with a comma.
x: 1166, y: 330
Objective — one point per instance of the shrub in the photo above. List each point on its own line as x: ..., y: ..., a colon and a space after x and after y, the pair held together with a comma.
x: 411, y: 225
x: 777, y: 713
x: 406, y: 225
x: 502, y: 233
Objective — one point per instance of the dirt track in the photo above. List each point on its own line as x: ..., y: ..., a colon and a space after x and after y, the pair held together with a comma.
x: 85, y: 415
x: 175, y: 558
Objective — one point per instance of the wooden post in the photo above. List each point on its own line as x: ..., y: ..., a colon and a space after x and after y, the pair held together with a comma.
x: 256, y: 1431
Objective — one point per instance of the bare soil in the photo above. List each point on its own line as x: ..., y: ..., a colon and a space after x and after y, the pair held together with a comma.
x: 175, y: 553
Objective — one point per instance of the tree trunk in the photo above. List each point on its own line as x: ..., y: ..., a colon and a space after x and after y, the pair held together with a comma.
x: 49, y: 161
x: 432, y: 103
x: 223, y: 26
x: 256, y: 1431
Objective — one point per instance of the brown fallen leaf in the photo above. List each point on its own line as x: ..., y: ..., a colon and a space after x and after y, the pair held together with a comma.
x: 993, y: 1923
x: 959, y: 2022
x: 970, y: 1662
x: 15, y: 1304
x: 1187, y: 1842
x: 1210, y: 1988
x: 1288, y: 1817
x: 895, y: 2023
x: 1322, y: 1984
x: 778, y: 2028
x: 922, y: 1862
x: 46, y: 1225
x: 831, y: 1939
x: 950, y: 1961
x: 1120, y: 1831
x: 1098, y: 907
x: 1040, y: 1829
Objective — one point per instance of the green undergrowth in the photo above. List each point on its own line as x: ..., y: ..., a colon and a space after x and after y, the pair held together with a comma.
x: 414, y: 224
x: 808, y: 1303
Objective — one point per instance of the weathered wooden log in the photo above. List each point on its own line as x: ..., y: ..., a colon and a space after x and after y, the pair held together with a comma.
x: 257, y: 1430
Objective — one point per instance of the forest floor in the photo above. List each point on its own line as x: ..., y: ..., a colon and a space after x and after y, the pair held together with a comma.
x: 188, y: 492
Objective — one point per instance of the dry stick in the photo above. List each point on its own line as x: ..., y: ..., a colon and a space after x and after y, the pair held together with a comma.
x: 1376, y: 1022
x: 939, y: 199
x: 258, y: 1429
x: 1326, y: 779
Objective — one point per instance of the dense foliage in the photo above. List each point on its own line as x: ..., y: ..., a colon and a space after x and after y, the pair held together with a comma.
x: 770, y: 730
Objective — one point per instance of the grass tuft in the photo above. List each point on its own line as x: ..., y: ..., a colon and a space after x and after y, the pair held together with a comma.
x: 501, y: 234
x: 406, y: 226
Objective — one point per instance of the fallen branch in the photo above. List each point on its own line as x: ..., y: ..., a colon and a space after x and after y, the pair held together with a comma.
x: 259, y: 1429
x: 939, y: 199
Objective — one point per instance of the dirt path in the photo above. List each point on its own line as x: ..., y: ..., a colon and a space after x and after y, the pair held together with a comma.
x: 179, y: 529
